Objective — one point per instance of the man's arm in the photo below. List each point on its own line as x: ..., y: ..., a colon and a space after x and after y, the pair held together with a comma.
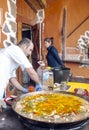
x: 33, y: 75
x: 15, y: 83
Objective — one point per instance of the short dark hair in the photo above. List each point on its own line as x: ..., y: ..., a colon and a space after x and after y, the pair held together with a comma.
x: 25, y: 41
x: 49, y: 39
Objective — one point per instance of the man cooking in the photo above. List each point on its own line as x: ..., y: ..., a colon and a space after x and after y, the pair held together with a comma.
x: 11, y: 58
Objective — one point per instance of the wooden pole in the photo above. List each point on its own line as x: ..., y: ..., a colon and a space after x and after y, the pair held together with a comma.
x: 63, y: 34
x: 40, y: 41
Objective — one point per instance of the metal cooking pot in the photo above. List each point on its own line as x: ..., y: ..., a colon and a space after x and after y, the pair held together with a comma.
x: 45, y: 123
x: 61, y: 74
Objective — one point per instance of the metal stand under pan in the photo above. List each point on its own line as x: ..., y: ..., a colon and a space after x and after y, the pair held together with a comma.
x: 82, y: 126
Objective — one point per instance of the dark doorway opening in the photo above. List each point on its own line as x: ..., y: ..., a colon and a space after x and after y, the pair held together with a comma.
x: 26, y: 33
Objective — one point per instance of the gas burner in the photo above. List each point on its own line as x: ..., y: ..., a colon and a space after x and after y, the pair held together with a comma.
x: 81, y: 126
x: 78, y: 127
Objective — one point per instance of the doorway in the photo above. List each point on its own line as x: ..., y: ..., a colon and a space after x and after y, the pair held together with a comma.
x: 26, y: 31
x: 32, y: 33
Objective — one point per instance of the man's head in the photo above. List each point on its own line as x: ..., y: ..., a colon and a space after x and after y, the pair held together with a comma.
x: 26, y: 45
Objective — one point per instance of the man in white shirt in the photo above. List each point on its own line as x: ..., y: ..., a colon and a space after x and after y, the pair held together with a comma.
x: 11, y: 58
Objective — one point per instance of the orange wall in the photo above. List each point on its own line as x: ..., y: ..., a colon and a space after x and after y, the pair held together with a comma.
x: 53, y: 21
x: 24, y: 13
x: 3, y: 6
x: 76, y: 12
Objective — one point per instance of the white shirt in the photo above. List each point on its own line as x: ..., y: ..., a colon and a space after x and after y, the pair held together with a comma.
x: 10, y: 59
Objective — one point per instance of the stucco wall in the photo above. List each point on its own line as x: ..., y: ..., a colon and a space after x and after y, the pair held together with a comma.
x: 77, y: 22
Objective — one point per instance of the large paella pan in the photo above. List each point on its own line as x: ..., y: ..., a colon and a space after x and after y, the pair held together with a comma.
x: 52, y: 108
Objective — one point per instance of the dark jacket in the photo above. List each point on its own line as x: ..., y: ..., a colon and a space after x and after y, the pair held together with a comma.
x: 53, y: 57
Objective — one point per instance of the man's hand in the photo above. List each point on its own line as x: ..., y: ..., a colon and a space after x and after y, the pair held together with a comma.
x: 38, y: 87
